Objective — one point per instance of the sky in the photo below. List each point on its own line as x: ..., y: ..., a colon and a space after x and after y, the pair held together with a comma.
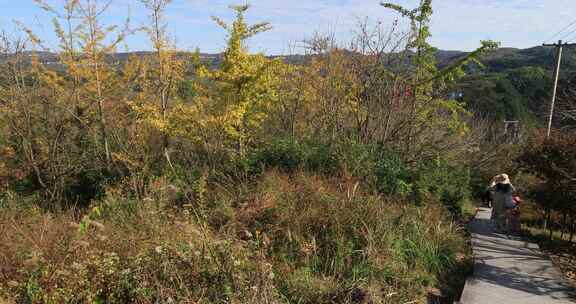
x: 456, y: 24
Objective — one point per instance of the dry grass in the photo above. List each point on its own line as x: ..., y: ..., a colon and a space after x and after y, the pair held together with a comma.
x: 285, y: 239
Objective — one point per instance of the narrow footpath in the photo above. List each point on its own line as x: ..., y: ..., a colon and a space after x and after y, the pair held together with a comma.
x: 509, y: 270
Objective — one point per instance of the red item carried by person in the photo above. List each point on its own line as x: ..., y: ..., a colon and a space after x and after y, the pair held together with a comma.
x: 517, y: 201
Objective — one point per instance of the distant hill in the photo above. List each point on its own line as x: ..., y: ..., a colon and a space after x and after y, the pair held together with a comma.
x: 505, y: 59
x: 501, y: 60
x: 513, y: 84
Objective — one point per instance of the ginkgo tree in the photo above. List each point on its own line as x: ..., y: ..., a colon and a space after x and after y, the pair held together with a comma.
x: 158, y: 76
x: 90, y: 81
x: 64, y: 114
x: 234, y: 101
x: 96, y: 72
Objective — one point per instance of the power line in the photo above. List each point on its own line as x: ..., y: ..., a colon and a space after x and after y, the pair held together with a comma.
x: 562, y: 30
x: 568, y: 35
x: 571, y: 39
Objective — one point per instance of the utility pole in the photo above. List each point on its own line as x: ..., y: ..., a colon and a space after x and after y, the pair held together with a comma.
x: 559, y: 46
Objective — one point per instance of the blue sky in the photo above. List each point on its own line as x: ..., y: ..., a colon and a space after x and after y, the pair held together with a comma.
x: 457, y: 24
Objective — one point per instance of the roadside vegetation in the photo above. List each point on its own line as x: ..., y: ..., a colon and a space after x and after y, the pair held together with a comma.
x: 547, y: 165
x: 161, y: 180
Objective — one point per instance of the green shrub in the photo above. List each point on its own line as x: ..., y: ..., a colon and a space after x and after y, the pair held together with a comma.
x: 290, y: 155
x: 388, y: 173
x: 285, y: 154
x: 392, y: 174
x: 439, y: 181
x: 321, y: 158
x: 382, y: 168
x: 360, y: 159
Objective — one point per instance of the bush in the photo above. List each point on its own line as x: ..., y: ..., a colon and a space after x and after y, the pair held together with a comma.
x: 383, y: 169
x: 290, y: 155
x: 359, y: 159
x: 439, y: 181
x: 321, y: 158
x: 285, y: 154
x: 552, y: 162
x: 388, y: 173
x: 392, y: 174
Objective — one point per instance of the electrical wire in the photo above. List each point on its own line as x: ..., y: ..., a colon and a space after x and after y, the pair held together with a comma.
x: 571, y: 39
x: 562, y: 30
x: 570, y: 34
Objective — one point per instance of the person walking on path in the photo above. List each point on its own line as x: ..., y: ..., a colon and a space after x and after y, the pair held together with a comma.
x: 503, y: 191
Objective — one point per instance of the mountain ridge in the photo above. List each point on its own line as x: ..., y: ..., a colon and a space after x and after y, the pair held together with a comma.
x: 497, y: 61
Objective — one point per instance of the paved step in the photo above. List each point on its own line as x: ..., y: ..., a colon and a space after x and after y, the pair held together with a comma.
x: 509, y: 270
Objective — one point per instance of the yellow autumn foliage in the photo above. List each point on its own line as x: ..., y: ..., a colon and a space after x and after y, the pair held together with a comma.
x: 234, y: 100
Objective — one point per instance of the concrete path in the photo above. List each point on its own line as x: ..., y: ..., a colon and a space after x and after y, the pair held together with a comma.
x: 508, y: 270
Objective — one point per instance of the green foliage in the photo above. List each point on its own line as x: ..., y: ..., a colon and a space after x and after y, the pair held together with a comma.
x: 389, y: 173
x: 287, y: 155
x: 427, y: 84
x: 438, y: 180
x: 517, y: 95
x: 417, y: 252
x: 290, y: 155
x: 393, y: 176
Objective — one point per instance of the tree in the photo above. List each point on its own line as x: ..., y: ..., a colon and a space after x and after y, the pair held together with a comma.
x: 59, y: 117
x: 565, y: 113
x: 161, y: 75
x: 86, y: 47
x: 94, y: 67
x: 233, y: 101
x: 19, y: 144
x: 429, y: 109
x: 553, y: 160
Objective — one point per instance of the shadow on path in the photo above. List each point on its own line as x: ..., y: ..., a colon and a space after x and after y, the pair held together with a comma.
x: 510, y: 270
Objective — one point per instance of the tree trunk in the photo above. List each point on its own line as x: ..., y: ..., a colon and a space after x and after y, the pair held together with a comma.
x: 563, y: 229
x: 165, y: 136
x: 545, y: 220
x: 104, y: 133
x: 572, y: 226
x: 99, y: 92
x: 550, y: 224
